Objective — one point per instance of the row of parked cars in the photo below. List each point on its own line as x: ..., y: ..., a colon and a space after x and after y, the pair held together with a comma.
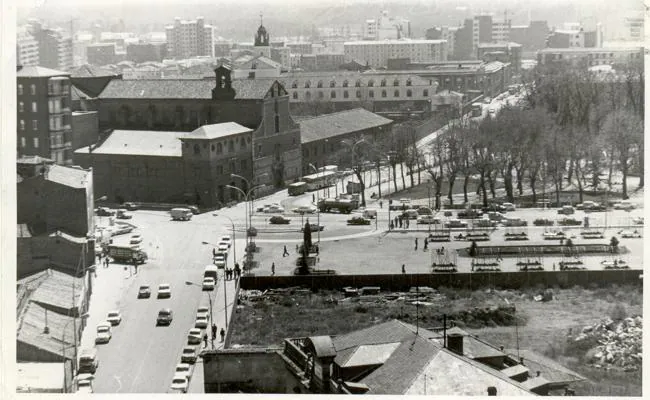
x: 183, y: 372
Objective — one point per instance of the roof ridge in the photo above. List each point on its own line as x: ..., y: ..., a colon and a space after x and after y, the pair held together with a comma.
x: 426, y: 364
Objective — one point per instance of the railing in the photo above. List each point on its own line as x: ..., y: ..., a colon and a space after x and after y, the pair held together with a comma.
x: 292, y: 349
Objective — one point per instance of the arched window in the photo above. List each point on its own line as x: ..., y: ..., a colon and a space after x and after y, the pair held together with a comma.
x: 294, y: 85
x: 357, y: 83
x: 383, y: 82
x: 321, y: 95
x: 371, y: 94
x: 409, y: 93
x: 242, y: 143
x: 358, y: 93
x: 197, y: 149
x: 333, y: 94
x: 345, y: 94
x: 213, y: 148
x: 219, y: 148
x: 332, y: 83
x: 425, y: 93
x: 295, y: 95
x: 396, y: 82
x: 308, y: 96
x: 396, y: 93
x: 408, y: 82
x: 345, y: 83
x: 231, y: 146
x: 371, y: 83
x: 383, y: 93
x: 319, y: 84
x: 307, y: 84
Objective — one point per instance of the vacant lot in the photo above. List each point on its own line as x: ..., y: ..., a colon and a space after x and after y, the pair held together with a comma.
x: 542, y: 326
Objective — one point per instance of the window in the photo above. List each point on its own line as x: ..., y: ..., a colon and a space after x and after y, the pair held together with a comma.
x: 357, y: 83
x: 277, y: 122
x: 20, y: 90
x: 383, y: 82
x: 308, y: 96
x: 259, y: 150
x: 333, y: 94
x: 34, y: 124
x: 23, y: 141
x: 396, y: 94
x: 294, y: 85
x: 197, y: 149
x: 321, y: 95
x: 409, y: 93
x: 231, y: 146
x: 36, y: 143
x: 332, y: 83
x: 275, y: 106
x: 396, y: 82
x: 371, y: 83
x: 425, y: 93
x: 383, y: 93
x: 371, y: 94
x: 21, y: 107
x: 319, y: 84
x: 345, y: 83
x: 243, y: 165
x: 242, y: 144
x: 33, y: 89
x: 295, y: 95
x: 307, y: 84
x: 345, y: 94
x: 408, y: 82
x: 358, y: 93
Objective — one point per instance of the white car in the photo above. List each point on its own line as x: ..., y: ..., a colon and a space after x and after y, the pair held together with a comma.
x: 135, y: 239
x: 274, y: 208
x: 103, y: 333
x: 624, y: 205
x: 183, y: 369
x: 219, y: 261
x: 114, y: 317
x: 223, y: 247
x: 208, y: 283
x: 637, y: 220
x: 226, y: 239
x: 304, y: 210
x: 630, y: 234
x: 509, y: 206
x: 164, y: 290
x: 179, y: 384
x: 194, y: 336
x: 455, y: 223
x: 188, y: 355
x: 201, y: 321
x: 428, y: 219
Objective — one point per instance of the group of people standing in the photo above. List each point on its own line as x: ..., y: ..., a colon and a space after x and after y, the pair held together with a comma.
x: 222, y: 333
x: 233, y: 273
x: 399, y: 222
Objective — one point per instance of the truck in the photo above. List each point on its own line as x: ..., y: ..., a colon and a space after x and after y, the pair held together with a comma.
x: 353, y: 187
x: 344, y: 206
x: 127, y: 253
x: 181, y: 214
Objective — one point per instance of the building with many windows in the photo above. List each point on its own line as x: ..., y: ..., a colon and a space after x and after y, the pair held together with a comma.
x: 43, y: 114
x: 186, y: 39
x: 589, y: 57
x: 376, y: 53
x: 54, y: 47
x: 101, y: 54
x: 26, y: 48
x: 508, y: 52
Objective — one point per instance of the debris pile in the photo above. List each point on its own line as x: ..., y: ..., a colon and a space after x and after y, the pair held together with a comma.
x: 619, y: 343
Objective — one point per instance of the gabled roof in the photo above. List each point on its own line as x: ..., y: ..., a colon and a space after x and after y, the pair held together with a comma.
x: 39, y: 72
x: 78, y: 94
x: 56, y: 291
x: 30, y: 330
x: 215, y: 131
x: 339, y: 123
x: 472, y: 346
x: 142, y: 143
x: 68, y: 176
x: 549, y: 369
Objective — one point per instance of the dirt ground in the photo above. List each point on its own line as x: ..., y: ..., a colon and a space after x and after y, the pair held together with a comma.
x: 543, y: 326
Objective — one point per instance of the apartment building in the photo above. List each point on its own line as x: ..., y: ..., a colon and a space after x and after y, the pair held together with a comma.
x: 101, y: 54
x: 44, y: 114
x: 54, y: 47
x: 589, y: 57
x: 385, y: 27
x: 186, y: 39
x: 26, y: 48
x: 376, y: 53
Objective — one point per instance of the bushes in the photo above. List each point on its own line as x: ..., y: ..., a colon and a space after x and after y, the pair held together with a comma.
x: 617, y: 312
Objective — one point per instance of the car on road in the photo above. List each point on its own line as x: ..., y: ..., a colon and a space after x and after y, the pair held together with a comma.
x: 183, y: 369
x: 203, y: 310
x: 566, y: 210
x: 103, y: 333
x: 227, y: 240
x: 130, y: 206
x: 114, y: 317
x: 104, y: 212
x: 590, y: 206
x: 455, y: 223
x: 410, y: 214
x: 313, y: 228
x: 179, y: 383
x: 188, y: 355
x: 144, y: 292
x: 637, y: 220
x: 123, y: 214
x: 509, y: 207
x: 274, y: 208
x: 494, y: 207
x: 84, y: 386
x: 208, y: 283
x: 627, y: 234
x: 219, y: 260
x: 135, y: 239
x: 469, y: 214
x: 305, y: 210
x: 485, y: 223
x: 194, y: 336
x: 279, y: 220
x: 424, y: 211
x: 624, y: 205
x: 165, y: 317
x: 223, y: 247
x: 201, y: 321
x: 358, y: 221
x: 514, y: 222
x: 88, y: 361
x: 428, y: 220
x: 164, y: 290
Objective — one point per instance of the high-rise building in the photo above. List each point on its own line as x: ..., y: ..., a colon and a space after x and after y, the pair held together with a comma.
x: 44, y: 114
x: 532, y: 36
x: 481, y: 30
x: 101, y: 54
x: 187, y: 39
x: 385, y: 27
x: 376, y: 53
x: 501, y: 31
x: 26, y: 48
x: 54, y: 48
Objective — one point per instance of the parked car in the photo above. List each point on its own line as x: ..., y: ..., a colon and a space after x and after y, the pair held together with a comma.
x: 358, y: 221
x: 428, y: 220
x: 203, y: 310
x: 179, y: 384
x: 630, y: 234
x: 514, y: 222
x: 262, y: 208
x: 194, y: 336
x: 410, y: 214
x: 144, y: 292
x: 590, y: 206
x: 569, y: 222
x: 469, y: 214
x: 455, y: 223
x: 103, y: 333
x: 637, y: 220
x: 252, y: 231
x: 279, y: 220
x: 274, y: 208
x: 201, y: 322
x: 165, y: 317
x: 495, y: 216
x: 123, y: 214
x: 313, y: 227
x: 624, y: 205
x: 88, y: 361
x: 84, y: 386
x: 208, y: 283
x: 183, y: 369
x: 566, y: 210
x: 105, y: 212
x: 188, y: 355
x: 496, y: 207
x: 305, y: 209
x: 164, y: 290
x: 227, y: 240
x: 223, y: 247
x: 220, y: 260
x: 543, y: 222
x: 485, y: 223
x: 135, y: 239
x: 130, y: 206
x: 195, y: 210
x: 509, y: 207
x: 114, y: 317
x: 424, y: 211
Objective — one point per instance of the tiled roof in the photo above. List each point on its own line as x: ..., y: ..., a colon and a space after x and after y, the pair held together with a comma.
x: 56, y: 290
x: 35, y: 72
x: 87, y: 71
x: 473, y: 347
x: 78, y: 94
x: 144, y: 143
x: 31, y: 325
x: 215, y: 131
x: 549, y: 369
x: 181, y: 89
x: 68, y: 176
x: 339, y: 123
x: 371, y: 354
x: 337, y: 76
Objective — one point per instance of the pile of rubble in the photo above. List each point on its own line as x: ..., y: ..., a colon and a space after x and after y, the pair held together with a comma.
x: 619, y: 343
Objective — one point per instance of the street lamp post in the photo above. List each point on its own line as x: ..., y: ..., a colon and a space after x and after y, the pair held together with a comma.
x: 246, y: 198
x: 317, y: 208
x: 248, y: 187
x: 188, y: 283
x: 74, y: 361
x: 234, y: 261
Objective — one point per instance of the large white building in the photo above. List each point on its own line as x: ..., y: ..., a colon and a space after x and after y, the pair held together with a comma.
x: 26, y: 48
x: 385, y: 27
x: 186, y: 39
x: 377, y: 52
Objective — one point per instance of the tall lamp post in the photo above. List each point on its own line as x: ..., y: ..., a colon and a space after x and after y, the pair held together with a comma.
x: 312, y: 166
x: 246, y: 198
x: 75, y: 345
x: 189, y: 283
x: 354, y: 145
x: 248, y: 186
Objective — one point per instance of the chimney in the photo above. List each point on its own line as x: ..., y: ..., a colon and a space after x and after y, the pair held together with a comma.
x: 539, y: 372
x: 501, y: 348
x: 455, y: 343
x: 521, y: 360
x: 492, y: 391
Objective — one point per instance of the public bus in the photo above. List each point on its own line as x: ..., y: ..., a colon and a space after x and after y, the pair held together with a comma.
x: 297, y: 188
x: 320, y: 180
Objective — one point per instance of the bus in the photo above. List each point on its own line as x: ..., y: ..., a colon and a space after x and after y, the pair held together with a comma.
x: 477, y: 109
x: 320, y: 180
x: 297, y: 188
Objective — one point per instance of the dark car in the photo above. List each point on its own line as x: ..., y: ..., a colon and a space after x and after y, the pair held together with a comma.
x: 144, y: 292
x: 105, y: 212
x: 469, y: 214
x: 358, y: 221
x: 252, y: 231
x: 165, y: 317
x: 314, y: 228
x: 279, y: 220
x: 495, y: 207
x: 130, y: 206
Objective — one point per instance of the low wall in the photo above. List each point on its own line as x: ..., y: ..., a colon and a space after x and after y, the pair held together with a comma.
x: 475, y: 280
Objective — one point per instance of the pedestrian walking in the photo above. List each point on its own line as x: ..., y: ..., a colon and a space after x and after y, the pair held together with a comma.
x: 400, y: 221
x: 403, y: 268
x: 107, y: 262
x: 553, y: 266
x: 416, y: 244
x: 223, y: 334
x: 286, y: 252
x: 381, y: 204
x: 313, y: 198
x: 214, y: 252
x: 214, y: 331
x: 426, y: 244
x: 392, y: 226
x: 205, y: 339
x: 273, y: 269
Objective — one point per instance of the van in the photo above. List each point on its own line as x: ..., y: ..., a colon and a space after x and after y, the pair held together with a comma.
x: 210, y: 272
x: 88, y: 361
x: 181, y: 214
